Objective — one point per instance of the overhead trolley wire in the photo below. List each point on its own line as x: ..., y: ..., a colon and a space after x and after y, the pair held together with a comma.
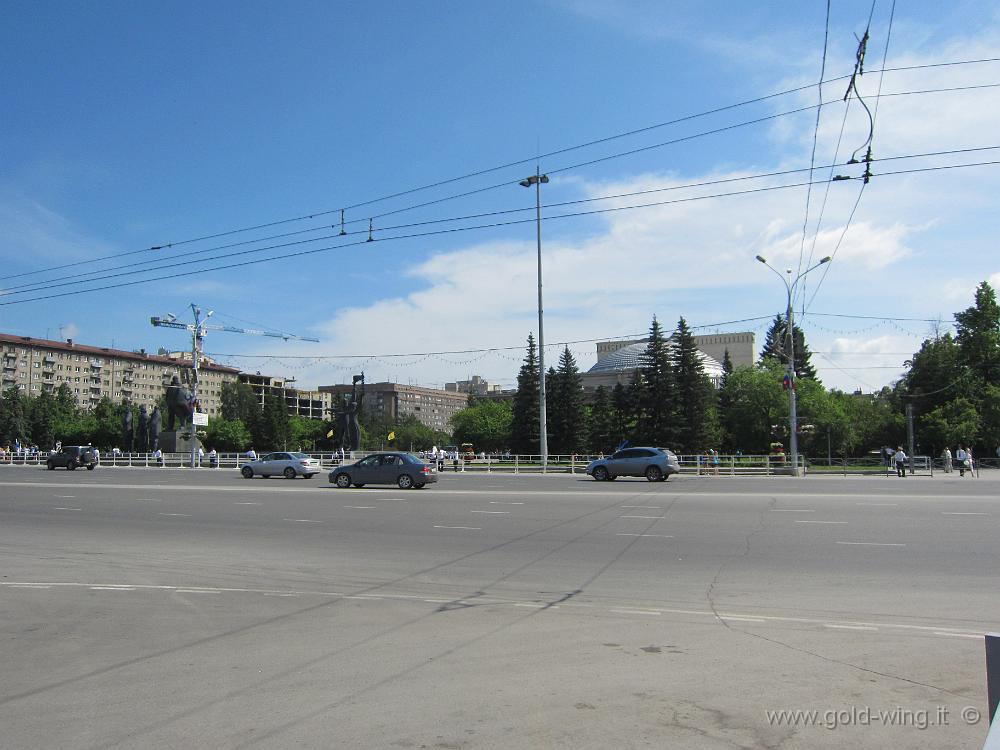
x: 454, y: 230
x: 481, y: 172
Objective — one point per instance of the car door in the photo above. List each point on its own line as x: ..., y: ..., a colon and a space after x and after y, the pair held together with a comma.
x: 365, y: 470
x: 622, y: 463
x: 388, y: 469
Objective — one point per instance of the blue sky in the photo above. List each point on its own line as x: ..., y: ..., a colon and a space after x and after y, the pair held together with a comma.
x: 129, y: 125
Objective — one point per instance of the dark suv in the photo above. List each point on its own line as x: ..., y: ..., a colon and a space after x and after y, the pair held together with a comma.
x: 72, y: 456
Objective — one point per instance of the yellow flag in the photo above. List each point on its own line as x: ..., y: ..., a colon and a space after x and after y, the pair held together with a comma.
x: 392, y: 436
x: 330, y: 434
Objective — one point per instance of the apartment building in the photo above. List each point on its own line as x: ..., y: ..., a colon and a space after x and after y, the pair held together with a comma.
x: 35, y: 365
x: 433, y: 407
x: 301, y: 403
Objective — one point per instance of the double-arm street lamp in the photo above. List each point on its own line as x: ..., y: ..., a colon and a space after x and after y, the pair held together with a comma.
x: 790, y: 284
x: 537, y: 180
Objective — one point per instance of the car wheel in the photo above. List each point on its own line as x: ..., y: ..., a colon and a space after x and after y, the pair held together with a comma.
x: 247, y: 472
x: 653, y: 474
x: 601, y: 474
x: 343, y: 481
x: 70, y: 465
x: 50, y: 464
x: 289, y: 472
x: 91, y: 467
x: 405, y: 481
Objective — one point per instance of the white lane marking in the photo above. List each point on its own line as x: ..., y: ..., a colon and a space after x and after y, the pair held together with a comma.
x: 247, y: 503
x: 848, y: 627
x: 362, y: 596
x: 642, y: 516
x: 741, y: 619
x: 29, y: 585
x: 957, y: 635
x: 470, y: 528
x: 67, y: 509
x: 197, y: 591
x: 360, y: 507
x: 644, y: 507
x: 492, y: 512
x: 660, y: 536
x: 112, y: 588
x: 956, y: 513
x: 186, y: 515
x: 894, y: 505
x: 438, y: 601
x: 502, y: 502
x: 148, y: 500
x: 301, y: 520
x: 821, y: 522
x: 792, y: 510
x: 65, y: 497
x: 875, y: 544
x: 636, y: 612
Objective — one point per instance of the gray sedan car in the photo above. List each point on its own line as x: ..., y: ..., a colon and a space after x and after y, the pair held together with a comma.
x: 289, y: 465
x: 656, y: 464
x: 402, y: 469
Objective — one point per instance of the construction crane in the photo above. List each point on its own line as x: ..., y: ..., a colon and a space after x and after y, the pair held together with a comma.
x: 198, y: 330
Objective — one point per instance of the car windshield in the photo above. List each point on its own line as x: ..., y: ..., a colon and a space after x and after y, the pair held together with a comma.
x: 298, y: 455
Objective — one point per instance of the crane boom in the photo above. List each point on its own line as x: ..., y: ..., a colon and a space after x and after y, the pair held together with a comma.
x: 189, y: 327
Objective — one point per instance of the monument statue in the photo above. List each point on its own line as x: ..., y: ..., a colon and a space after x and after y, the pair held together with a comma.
x: 154, y: 429
x: 128, y: 433
x: 180, y: 405
x: 143, y: 432
x: 348, y: 427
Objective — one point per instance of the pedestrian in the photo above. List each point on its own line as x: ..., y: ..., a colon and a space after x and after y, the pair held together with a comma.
x: 201, y: 455
x: 899, y: 457
x: 158, y: 456
x: 946, y: 457
x: 454, y: 459
x: 251, y: 454
x: 963, y: 460
x: 715, y: 460
x: 440, y: 459
x: 971, y: 460
x: 213, y: 458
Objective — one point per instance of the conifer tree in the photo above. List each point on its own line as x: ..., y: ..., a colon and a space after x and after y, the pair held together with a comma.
x: 623, y: 411
x: 601, y: 426
x: 693, y: 393
x: 524, y: 426
x: 655, y: 390
x: 565, y: 407
x: 775, y: 343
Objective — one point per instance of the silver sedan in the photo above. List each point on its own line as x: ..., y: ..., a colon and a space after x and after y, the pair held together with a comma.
x: 289, y: 465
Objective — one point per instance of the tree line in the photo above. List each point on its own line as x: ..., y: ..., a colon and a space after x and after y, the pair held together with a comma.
x: 951, y: 387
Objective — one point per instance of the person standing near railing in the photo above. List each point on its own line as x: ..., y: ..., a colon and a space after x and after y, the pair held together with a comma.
x: 899, y: 457
x: 946, y: 457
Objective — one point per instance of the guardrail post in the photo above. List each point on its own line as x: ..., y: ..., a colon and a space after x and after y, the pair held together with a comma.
x: 516, y: 457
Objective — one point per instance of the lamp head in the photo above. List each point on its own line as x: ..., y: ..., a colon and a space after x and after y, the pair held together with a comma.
x: 827, y: 259
x: 525, y: 183
x: 761, y: 259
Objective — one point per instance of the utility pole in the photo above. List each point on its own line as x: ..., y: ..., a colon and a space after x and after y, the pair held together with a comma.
x: 198, y: 330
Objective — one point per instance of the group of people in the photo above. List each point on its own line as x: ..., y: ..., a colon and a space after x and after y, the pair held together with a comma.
x: 964, y: 459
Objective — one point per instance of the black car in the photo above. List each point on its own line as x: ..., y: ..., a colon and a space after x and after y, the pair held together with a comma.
x: 399, y: 468
x: 71, y: 456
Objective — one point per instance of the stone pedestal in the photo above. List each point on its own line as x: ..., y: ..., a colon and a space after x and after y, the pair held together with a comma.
x: 176, y: 441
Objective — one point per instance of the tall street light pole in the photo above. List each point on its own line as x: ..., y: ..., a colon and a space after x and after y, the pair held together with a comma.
x: 790, y: 284
x: 537, y: 179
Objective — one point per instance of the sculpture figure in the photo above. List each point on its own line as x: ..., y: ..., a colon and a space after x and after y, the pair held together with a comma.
x: 180, y: 405
x: 154, y: 428
x: 128, y: 433
x: 143, y: 432
x: 348, y: 427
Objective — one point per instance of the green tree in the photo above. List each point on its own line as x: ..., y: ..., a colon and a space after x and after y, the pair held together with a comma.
x: 275, y: 428
x: 305, y: 433
x: 623, y: 411
x: 42, y: 417
x: 238, y: 401
x: 566, y: 415
x: 758, y: 407
x: 487, y: 425
x: 524, y: 424
x: 13, y: 419
x: 655, y: 391
x: 227, y: 435
x: 105, y: 424
x: 601, y: 424
x: 978, y: 335
x: 693, y: 394
x: 776, y: 347
x: 950, y: 424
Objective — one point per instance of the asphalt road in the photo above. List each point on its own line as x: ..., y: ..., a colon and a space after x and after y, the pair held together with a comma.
x: 179, y: 609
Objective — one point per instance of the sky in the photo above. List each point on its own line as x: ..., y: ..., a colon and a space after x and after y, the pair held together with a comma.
x: 232, y: 135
